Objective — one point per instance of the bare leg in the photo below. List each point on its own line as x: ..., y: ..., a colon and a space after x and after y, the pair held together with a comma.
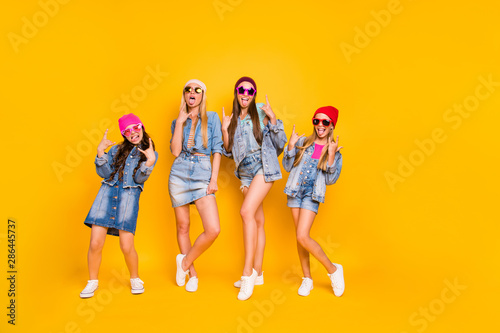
x: 303, y: 254
x: 253, y: 199
x: 182, y: 221
x: 261, y: 240
x: 207, y: 208
x: 305, y: 221
x: 128, y: 249
x: 94, y: 256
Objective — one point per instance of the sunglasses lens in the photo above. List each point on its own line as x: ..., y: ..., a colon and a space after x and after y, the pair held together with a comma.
x: 198, y: 90
x: 315, y: 122
x: 187, y: 89
x: 241, y: 90
x: 251, y: 91
x: 326, y: 122
x: 126, y: 132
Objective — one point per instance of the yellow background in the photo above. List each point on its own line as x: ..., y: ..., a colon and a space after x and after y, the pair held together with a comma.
x: 402, y: 244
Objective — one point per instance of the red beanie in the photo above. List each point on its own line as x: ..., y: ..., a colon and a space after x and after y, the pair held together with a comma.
x: 330, y: 111
x: 245, y: 79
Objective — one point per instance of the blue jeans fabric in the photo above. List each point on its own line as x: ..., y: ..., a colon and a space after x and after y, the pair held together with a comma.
x: 273, y: 141
x: 189, y: 178
x: 249, y: 168
x: 214, y: 135
x: 303, y: 198
x: 115, y: 208
x: 323, y: 178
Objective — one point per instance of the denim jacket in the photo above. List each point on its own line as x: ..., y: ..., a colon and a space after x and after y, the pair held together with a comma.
x: 323, y: 178
x: 273, y: 141
x: 104, y: 168
x: 214, y: 144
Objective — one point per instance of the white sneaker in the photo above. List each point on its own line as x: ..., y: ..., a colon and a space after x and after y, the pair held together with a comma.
x: 89, y: 289
x: 192, y: 284
x: 247, y: 283
x: 137, y: 286
x: 306, y: 286
x: 337, y: 278
x: 258, y: 281
x: 180, y: 275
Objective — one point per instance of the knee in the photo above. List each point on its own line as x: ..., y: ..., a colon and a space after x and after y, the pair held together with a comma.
x: 303, y: 239
x: 213, y: 232
x: 246, y: 213
x: 96, y: 245
x: 127, y: 247
x: 260, y: 222
x: 183, y: 228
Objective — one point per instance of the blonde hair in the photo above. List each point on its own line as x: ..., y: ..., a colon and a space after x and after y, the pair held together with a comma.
x: 309, y: 141
x: 203, y: 113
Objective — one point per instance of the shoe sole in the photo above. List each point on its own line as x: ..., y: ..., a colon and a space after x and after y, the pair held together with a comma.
x: 89, y: 294
x: 244, y: 299
x: 137, y: 291
x: 305, y: 294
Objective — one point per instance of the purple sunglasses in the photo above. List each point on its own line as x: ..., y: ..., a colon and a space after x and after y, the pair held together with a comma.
x: 241, y: 91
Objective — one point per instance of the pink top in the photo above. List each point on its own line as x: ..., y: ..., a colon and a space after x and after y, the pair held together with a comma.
x: 317, y: 151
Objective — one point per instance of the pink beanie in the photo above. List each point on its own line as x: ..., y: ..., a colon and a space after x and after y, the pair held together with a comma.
x: 127, y: 120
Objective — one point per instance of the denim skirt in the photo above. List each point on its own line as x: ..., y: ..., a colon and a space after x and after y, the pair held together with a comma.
x: 115, y: 208
x: 189, y: 179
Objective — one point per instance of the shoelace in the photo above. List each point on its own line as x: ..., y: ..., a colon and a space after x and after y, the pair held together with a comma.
x: 337, y: 283
x: 245, y: 284
x: 90, y: 286
x: 306, y: 283
x: 137, y: 283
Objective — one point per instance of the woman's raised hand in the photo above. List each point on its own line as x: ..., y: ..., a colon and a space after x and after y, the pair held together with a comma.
x: 333, y: 146
x: 104, y: 144
x: 150, y: 154
x: 226, y: 120
x: 183, y: 115
x: 293, y: 139
x: 268, y: 110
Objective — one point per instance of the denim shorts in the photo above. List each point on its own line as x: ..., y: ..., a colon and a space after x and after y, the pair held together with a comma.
x: 249, y: 168
x: 189, y: 179
x: 303, y: 199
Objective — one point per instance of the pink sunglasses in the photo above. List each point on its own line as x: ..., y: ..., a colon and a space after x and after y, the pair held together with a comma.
x: 241, y: 91
x: 135, y: 128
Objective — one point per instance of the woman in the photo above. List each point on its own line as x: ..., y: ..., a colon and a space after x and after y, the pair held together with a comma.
x: 196, y: 134
x: 313, y: 162
x: 125, y: 168
x: 254, y: 138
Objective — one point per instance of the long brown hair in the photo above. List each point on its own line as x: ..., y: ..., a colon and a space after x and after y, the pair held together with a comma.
x: 309, y: 141
x: 254, y: 116
x: 124, y: 150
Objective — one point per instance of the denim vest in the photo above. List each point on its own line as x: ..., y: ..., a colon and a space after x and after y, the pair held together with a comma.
x: 273, y: 141
x: 214, y: 133
x: 296, y: 177
x: 104, y: 168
